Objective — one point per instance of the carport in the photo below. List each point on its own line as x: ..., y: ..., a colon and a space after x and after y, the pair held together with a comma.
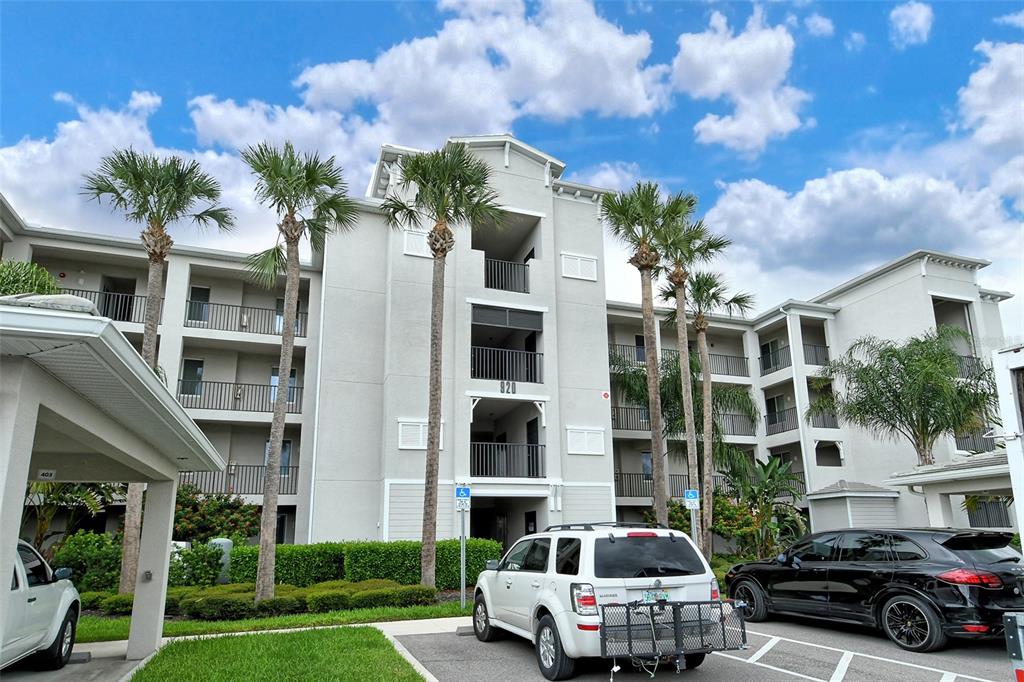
x: 77, y: 403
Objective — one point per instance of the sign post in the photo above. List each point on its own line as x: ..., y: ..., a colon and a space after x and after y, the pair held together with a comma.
x: 691, y: 498
x: 462, y: 497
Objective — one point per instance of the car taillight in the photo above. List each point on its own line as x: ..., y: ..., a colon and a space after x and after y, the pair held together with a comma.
x: 584, y: 601
x: 641, y: 534
x: 715, y: 594
x: 975, y: 628
x: 970, y: 576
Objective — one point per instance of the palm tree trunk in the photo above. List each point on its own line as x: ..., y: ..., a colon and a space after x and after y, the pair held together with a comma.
x: 683, y: 342
x: 272, y: 474
x: 133, y: 498
x: 654, y: 402
x: 706, y: 495
x: 441, y: 241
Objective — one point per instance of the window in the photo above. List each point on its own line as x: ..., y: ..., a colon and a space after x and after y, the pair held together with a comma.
x: 516, y: 556
x: 416, y: 244
x: 286, y: 454
x: 509, y: 318
x: 647, y: 464
x: 279, y: 316
x: 864, y: 547
x: 36, y: 570
x: 988, y: 514
x: 585, y: 441
x: 567, y: 556
x: 645, y: 557
x: 191, y: 377
x: 905, y: 550
x: 815, y: 549
x: 412, y: 435
x: 579, y: 267
x: 537, y: 558
x: 282, y: 526
x: 198, y: 304
x: 292, y: 379
x: 641, y: 350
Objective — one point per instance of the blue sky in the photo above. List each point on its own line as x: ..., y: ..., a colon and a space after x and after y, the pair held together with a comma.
x: 818, y: 152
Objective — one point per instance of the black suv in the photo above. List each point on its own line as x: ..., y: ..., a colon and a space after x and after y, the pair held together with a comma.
x: 919, y: 585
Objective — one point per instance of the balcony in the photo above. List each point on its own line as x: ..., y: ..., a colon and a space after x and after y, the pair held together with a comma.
x: 506, y: 460
x: 224, y: 395
x: 623, y: 354
x: 642, y: 485
x: 240, y: 479
x: 119, y: 307
x: 506, y: 275
x: 815, y: 354
x: 503, y: 364
x: 784, y: 420
x: 975, y: 442
x: 776, y: 360
x: 240, y: 318
x: 631, y: 418
x: 826, y: 420
x: 736, y: 424
x: 728, y: 365
x: 969, y: 366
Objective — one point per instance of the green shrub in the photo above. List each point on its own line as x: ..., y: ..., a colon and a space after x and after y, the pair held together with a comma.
x: 91, y: 599
x: 172, y: 606
x: 328, y: 600
x: 230, y: 588
x: 117, y: 604
x: 94, y: 560
x: 329, y: 585
x: 199, y: 565
x: 24, y: 277
x: 281, y: 605
x: 403, y: 595
x: 219, y: 606
x: 300, y: 565
x: 400, y: 560
x: 372, y: 584
x: 200, y: 517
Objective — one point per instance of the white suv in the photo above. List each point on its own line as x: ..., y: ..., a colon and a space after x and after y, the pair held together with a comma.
x: 614, y: 590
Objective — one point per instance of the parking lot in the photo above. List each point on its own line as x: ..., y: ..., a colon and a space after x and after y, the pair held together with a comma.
x: 779, y: 650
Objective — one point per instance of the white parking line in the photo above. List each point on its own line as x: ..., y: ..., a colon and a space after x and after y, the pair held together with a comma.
x: 844, y: 663
x: 764, y: 649
x: 770, y: 667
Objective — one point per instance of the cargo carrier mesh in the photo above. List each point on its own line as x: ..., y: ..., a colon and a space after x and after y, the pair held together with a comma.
x: 670, y: 628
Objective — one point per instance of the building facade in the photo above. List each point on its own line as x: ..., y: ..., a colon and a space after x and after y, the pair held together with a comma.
x: 531, y: 415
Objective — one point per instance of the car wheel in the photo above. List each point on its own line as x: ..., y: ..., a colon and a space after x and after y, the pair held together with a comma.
x: 58, y: 654
x: 482, y: 627
x: 693, y: 660
x: 751, y: 593
x: 912, y: 624
x: 554, y: 663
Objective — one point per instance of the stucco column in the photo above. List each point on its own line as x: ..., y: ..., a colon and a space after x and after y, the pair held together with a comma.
x: 940, y: 510
x: 19, y: 409
x: 154, y: 556
x: 172, y: 321
x: 800, y: 396
x: 752, y: 351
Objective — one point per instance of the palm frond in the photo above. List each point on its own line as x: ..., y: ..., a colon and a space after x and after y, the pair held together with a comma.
x: 266, y: 266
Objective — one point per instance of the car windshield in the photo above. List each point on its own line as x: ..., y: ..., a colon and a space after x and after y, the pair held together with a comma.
x: 983, y: 549
x: 645, y: 557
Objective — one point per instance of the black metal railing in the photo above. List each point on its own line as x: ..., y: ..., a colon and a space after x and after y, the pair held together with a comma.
x: 503, y: 364
x: 975, y: 442
x: 631, y: 418
x: 506, y: 460
x: 989, y: 514
x: 642, y: 485
x: 240, y: 479
x: 624, y: 354
x: 969, y: 366
x: 120, y: 307
x: 728, y: 365
x: 240, y: 318
x: 784, y: 420
x: 225, y: 395
x: 776, y: 360
x: 506, y: 275
x: 815, y: 354
x: 826, y: 420
x: 736, y: 424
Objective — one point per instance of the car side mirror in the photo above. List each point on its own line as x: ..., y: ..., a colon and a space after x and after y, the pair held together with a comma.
x: 781, y: 559
x: 492, y: 565
x: 61, y: 574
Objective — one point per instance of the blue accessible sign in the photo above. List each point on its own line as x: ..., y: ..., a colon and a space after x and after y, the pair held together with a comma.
x: 691, y: 499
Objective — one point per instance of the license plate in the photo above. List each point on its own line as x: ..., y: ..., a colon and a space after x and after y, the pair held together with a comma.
x: 651, y: 596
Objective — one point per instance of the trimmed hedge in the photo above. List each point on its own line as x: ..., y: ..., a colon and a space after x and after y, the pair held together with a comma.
x: 94, y: 560
x: 400, y: 560
x: 321, y: 601
x: 300, y: 565
x: 405, y: 595
x: 219, y: 606
x: 281, y: 605
x: 117, y: 604
x: 91, y: 600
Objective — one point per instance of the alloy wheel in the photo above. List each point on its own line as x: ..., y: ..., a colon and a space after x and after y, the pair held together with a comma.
x: 906, y: 624
x: 745, y: 595
x: 480, y: 617
x: 546, y: 647
x: 65, y: 644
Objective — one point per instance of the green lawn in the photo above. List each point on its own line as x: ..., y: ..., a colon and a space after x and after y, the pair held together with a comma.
x: 102, y: 629
x: 343, y: 654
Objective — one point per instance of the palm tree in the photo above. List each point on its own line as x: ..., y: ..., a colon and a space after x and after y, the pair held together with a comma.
x: 636, y: 218
x: 684, y: 244
x: 771, y: 489
x: 708, y: 294
x: 309, y: 197
x: 46, y: 499
x: 154, y: 192
x: 451, y: 189
x: 911, y: 389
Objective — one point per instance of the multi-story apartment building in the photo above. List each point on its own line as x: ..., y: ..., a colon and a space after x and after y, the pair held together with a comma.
x: 531, y: 415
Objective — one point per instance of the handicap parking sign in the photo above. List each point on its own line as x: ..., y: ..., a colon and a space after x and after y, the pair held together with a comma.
x: 691, y: 498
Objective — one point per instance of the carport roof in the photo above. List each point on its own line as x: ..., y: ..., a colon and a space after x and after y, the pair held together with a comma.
x: 88, y: 355
x: 974, y: 466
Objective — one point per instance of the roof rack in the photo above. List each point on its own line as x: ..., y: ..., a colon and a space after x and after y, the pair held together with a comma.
x: 570, y: 526
x: 604, y: 524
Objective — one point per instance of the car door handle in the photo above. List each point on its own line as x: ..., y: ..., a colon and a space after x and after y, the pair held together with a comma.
x: 508, y: 584
x: 535, y: 583
x: 31, y: 599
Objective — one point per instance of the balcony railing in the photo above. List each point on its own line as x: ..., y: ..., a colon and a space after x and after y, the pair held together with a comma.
x: 225, y: 395
x: 785, y: 420
x: 776, y: 360
x: 240, y: 479
x: 240, y: 318
x: 624, y: 354
x: 120, y: 307
x: 975, y: 442
x: 506, y: 460
x: 969, y: 366
x: 506, y: 275
x: 825, y: 420
x: 503, y: 364
x: 815, y: 354
x: 631, y: 418
x: 736, y: 424
x: 728, y: 365
x: 642, y: 485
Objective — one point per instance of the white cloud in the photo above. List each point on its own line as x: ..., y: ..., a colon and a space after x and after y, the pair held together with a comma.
x: 749, y: 70
x: 990, y: 103
x: 910, y: 24
x: 615, y: 175
x: 1016, y: 19
x: 817, y: 25
x: 854, y: 41
x: 1008, y: 182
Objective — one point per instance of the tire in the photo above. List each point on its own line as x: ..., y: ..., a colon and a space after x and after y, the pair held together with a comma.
x: 482, y: 627
x: 57, y: 655
x: 693, y: 660
x: 551, y: 658
x: 757, y: 602
x: 912, y: 624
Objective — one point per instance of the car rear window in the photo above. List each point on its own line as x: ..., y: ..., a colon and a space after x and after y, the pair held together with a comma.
x: 987, y: 548
x: 640, y: 557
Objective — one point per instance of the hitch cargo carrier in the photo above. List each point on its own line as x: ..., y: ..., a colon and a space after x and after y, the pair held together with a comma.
x: 670, y: 629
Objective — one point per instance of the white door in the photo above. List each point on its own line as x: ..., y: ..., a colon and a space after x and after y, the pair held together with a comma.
x: 14, y: 620
x: 42, y: 597
x: 527, y: 583
x: 503, y: 596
